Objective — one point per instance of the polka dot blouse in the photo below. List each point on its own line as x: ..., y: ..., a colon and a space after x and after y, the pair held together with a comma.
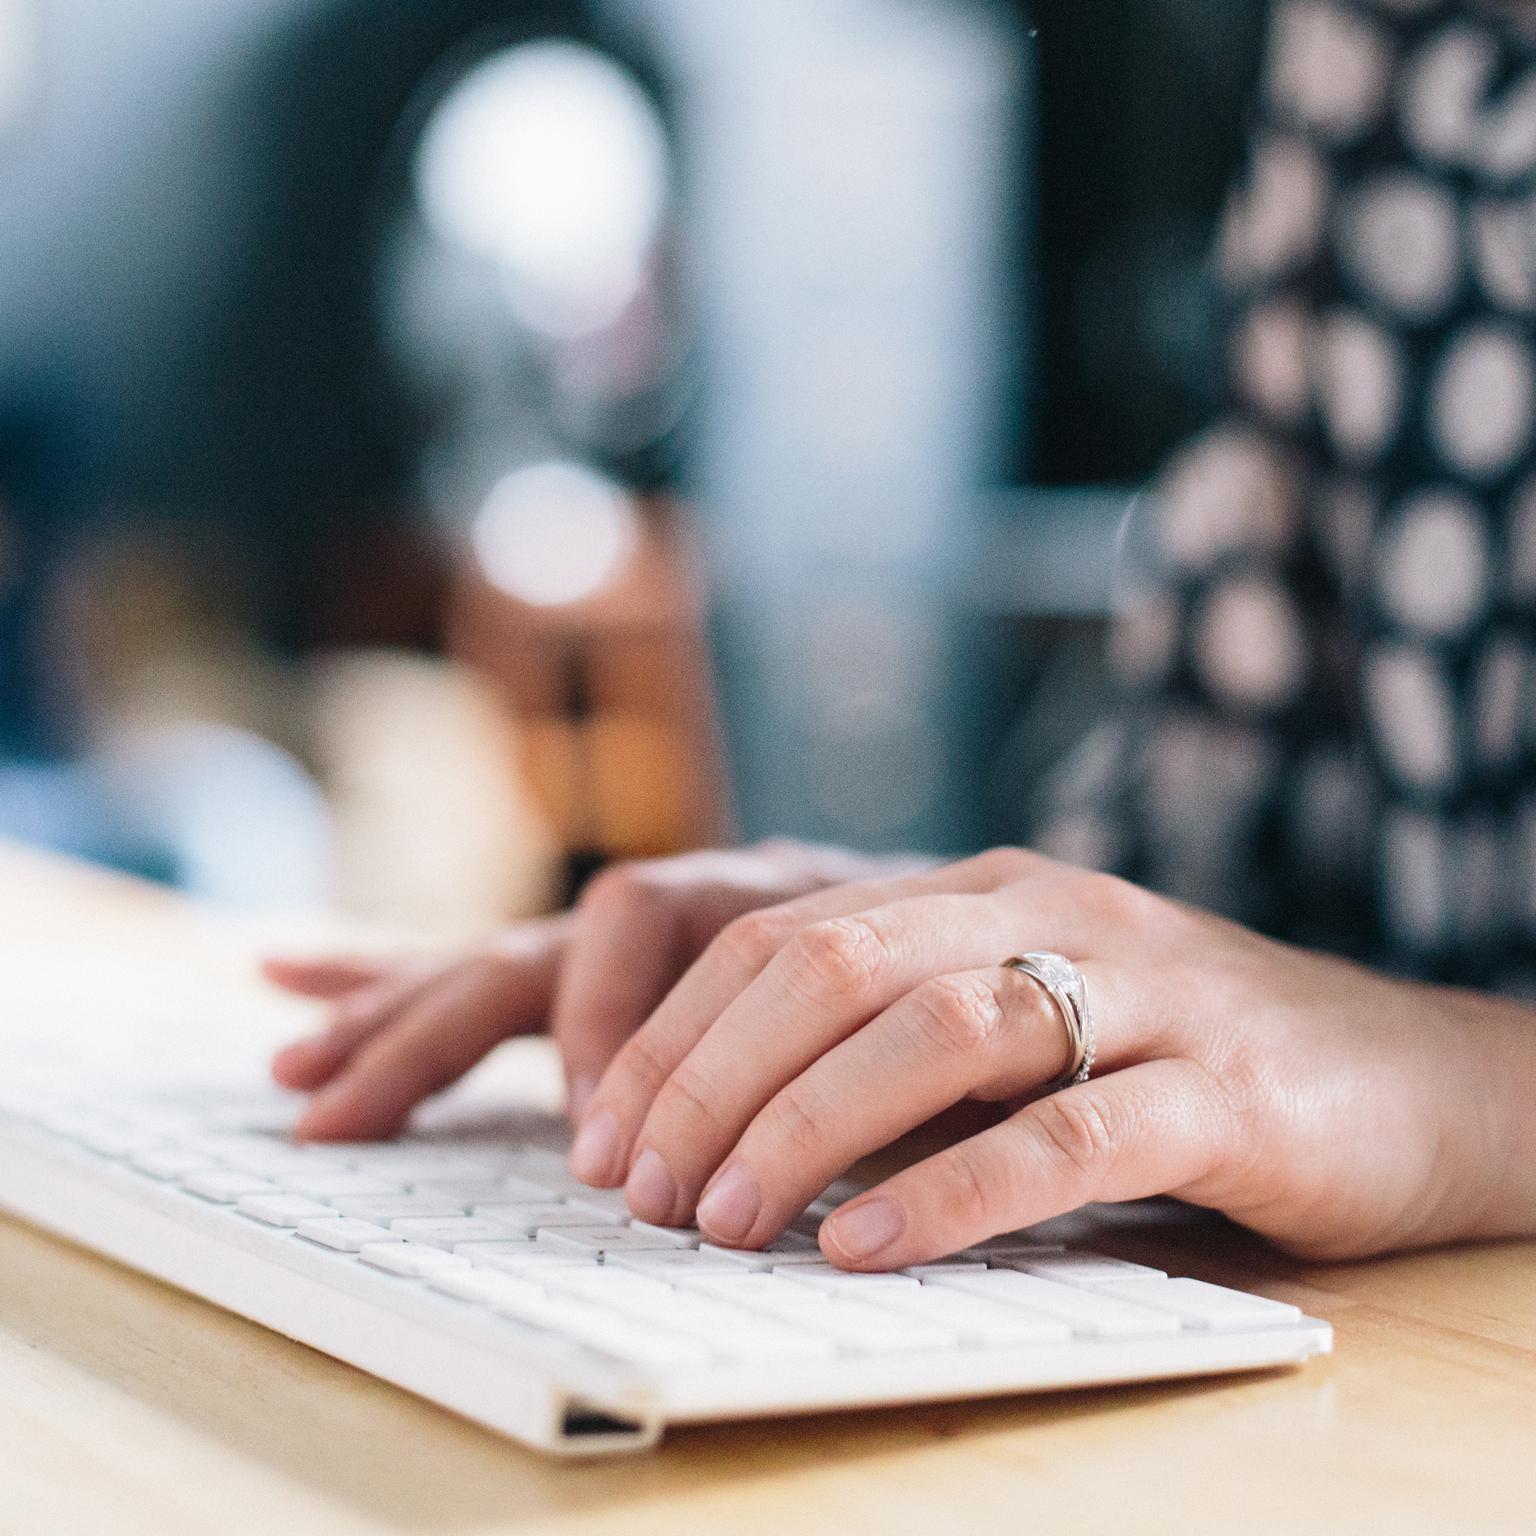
x: 1331, y: 729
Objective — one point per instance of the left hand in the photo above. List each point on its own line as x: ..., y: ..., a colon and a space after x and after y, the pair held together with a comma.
x: 1310, y: 1099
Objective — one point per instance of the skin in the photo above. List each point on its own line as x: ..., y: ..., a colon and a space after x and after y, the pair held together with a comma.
x: 739, y: 1028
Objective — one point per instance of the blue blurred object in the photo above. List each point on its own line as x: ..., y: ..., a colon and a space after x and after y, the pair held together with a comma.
x: 861, y: 287
x: 188, y: 231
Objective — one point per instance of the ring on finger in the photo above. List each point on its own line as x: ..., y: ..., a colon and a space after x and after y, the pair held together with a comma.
x: 1064, y: 985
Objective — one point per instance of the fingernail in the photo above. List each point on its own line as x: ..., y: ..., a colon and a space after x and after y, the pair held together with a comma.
x: 578, y: 1096
x: 863, y: 1230
x: 651, y: 1189
x: 730, y: 1205
x: 595, y: 1155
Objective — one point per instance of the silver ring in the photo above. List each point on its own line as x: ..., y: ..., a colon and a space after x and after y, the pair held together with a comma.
x: 1065, y: 987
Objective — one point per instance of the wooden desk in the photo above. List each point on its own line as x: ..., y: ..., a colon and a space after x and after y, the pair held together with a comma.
x: 126, y: 1407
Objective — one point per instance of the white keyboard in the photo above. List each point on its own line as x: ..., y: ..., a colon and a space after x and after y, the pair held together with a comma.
x: 467, y: 1265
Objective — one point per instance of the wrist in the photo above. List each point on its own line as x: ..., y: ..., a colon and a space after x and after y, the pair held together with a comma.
x: 1496, y: 1117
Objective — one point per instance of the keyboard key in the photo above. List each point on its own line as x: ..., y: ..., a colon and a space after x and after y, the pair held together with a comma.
x: 607, y: 1286
x: 388, y: 1208
x: 1093, y: 1314
x: 225, y: 1185
x: 346, y: 1234
x: 550, y: 1171
x: 570, y: 1318
x: 529, y: 1218
x: 118, y: 1140
x: 513, y: 1245
x: 976, y: 1322
x: 724, y: 1329
x: 416, y: 1261
x: 469, y: 1193
x: 945, y: 1267
x: 732, y: 1281
x: 260, y: 1154
x: 282, y: 1210
x: 1085, y: 1269
x: 755, y: 1260
x: 639, y: 1343
x: 224, y: 1144
x: 275, y: 1116
x: 278, y: 1162
x: 854, y: 1325
x: 1200, y: 1305
x: 171, y: 1163
x: 678, y: 1237
x: 326, y: 1185
x: 600, y: 1240
x: 770, y: 1295
x: 607, y: 1205
x: 839, y: 1282
x: 531, y: 1262
x: 867, y: 1329
x: 447, y: 1231
x: 395, y: 1166
x: 481, y: 1286
x: 665, y: 1263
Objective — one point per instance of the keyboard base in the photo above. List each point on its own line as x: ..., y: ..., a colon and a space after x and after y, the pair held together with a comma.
x: 446, y: 1354
x: 549, y: 1394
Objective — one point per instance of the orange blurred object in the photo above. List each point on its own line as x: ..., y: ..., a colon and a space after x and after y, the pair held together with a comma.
x: 613, y: 692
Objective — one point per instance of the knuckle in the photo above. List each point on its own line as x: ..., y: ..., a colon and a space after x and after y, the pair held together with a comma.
x: 361, y: 1014
x: 1119, y: 901
x: 619, y: 886
x: 794, y: 1125
x: 1079, y: 1131
x: 960, y: 1015
x: 966, y: 1190
x: 1001, y: 866
x: 641, y: 1065
x: 840, y: 957
x: 688, y: 1097
x: 754, y: 938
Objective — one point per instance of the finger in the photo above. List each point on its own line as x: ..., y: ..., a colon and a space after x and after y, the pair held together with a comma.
x: 639, y: 926
x: 309, y: 1063
x: 636, y: 929
x: 1152, y: 1129
x: 431, y: 1043
x: 737, y: 956
x: 829, y: 981
x: 323, y: 977
x: 993, y: 1034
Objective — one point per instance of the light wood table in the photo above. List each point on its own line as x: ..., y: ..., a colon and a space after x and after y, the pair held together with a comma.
x: 126, y: 1407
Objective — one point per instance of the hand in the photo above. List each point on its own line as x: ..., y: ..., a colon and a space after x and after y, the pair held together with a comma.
x: 1337, y: 1111
x: 402, y: 1029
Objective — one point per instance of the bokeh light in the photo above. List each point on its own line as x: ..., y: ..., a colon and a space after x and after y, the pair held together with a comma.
x: 550, y: 161
x: 555, y: 533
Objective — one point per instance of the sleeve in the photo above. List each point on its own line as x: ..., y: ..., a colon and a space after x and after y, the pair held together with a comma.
x: 1226, y: 776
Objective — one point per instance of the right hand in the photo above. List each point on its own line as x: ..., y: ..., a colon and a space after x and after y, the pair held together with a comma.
x: 401, y: 1030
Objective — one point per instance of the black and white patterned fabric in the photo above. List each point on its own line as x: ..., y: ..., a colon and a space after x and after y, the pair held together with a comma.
x: 1331, y: 733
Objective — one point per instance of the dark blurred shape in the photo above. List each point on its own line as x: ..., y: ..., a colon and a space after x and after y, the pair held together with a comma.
x: 1141, y: 110
x: 188, y: 233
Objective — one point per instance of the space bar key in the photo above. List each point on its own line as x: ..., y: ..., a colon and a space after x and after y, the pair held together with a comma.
x: 1092, y: 1314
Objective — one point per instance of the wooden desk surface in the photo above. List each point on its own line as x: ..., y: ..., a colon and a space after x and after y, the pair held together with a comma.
x: 128, y: 1407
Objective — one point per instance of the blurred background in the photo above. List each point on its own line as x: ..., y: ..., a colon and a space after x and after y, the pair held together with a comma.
x: 444, y: 448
